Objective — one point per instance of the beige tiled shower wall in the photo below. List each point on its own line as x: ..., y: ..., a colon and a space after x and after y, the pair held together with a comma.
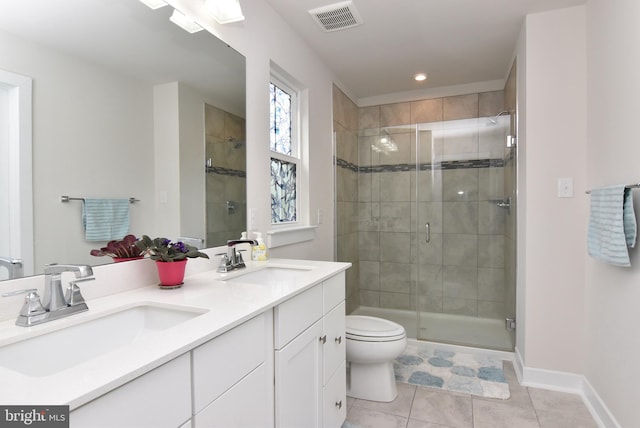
x: 226, y: 180
x: 462, y: 269
x: 345, y: 125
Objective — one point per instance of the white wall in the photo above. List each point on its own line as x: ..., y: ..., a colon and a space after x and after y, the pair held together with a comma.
x: 192, y: 161
x: 612, y: 350
x: 81, y: 112
x: 551, y: 146
x: 179, y: 159
x: 166, y: 158
x: 580, y: 315
x: 132, y: 136
x: 264, y: 37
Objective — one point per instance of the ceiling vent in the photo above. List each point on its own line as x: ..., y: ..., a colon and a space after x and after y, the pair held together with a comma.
x: 337, y: 16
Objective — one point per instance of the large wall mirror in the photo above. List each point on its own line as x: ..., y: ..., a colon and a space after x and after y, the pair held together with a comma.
x: 125, y: 104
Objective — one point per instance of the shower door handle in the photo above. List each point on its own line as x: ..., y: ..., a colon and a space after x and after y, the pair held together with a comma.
x: 427, y: 227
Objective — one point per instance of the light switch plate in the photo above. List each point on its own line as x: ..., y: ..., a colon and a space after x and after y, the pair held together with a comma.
x: 565, y: 187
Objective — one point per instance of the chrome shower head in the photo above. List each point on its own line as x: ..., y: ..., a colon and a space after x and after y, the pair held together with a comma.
x: 494, y: 120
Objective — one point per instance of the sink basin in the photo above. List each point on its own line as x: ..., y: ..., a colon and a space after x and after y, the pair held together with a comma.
x: 61, y: 349
x: 271, y: 275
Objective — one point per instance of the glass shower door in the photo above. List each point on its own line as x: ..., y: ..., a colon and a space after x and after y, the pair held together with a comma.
x: 461, y: 213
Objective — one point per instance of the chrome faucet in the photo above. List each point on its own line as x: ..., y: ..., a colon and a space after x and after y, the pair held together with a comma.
x: 54, y: 304
x: 233, y: 259
x: 53, y: 298
x: 14, y: 266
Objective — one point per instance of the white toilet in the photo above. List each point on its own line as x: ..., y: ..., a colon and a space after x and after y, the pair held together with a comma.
x: 372, y: 345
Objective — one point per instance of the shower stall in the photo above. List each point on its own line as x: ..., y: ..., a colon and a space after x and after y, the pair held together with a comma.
x: 226, y: 183
x: 430, y: 210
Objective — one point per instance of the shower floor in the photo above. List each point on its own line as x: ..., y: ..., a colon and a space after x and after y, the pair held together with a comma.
x: 447, y: 328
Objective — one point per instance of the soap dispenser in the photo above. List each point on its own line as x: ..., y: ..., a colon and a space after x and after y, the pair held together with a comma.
x: 259, y: 252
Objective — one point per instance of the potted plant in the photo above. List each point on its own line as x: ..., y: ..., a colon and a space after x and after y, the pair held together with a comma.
x: 121, y: 250
x: 170, y: 257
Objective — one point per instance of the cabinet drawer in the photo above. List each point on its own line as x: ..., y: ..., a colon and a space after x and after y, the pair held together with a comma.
x: 160, y: 398
x: 334, y: 351
x: 334, y: 397
x: 223, y: 361
x: 333, y: 291
x: 244, y: 405
x: 296, y: 315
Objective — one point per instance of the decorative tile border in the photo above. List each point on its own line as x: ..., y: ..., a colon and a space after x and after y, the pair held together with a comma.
x: 465, y: 164
x: 346, y: 165
x: 226, y: 171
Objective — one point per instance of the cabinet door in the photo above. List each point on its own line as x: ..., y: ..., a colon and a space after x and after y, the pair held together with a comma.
x: 160, y: 398
x: 243, y: 406
x: 335, y: 399
x: 298, y: 381
x: 334, y: 351
x: 223, y: 361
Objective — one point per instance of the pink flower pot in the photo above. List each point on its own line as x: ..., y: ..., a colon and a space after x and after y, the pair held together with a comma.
x: 171, y: 273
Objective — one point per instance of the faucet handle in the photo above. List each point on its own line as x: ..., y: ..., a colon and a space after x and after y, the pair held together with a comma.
x: 32, y: 305
x: 224, y: 265
x: 73, y: 296
x: 80, y: 271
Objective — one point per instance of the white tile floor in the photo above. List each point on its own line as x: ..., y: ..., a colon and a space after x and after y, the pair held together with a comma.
x: 418, y: 407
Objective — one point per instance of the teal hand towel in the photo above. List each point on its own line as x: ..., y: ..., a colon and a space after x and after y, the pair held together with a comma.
x: 612, y: 225
x: 105, y: 219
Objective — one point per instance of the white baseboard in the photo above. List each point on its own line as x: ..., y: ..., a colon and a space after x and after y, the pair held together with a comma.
x: 565, y: 382
x: 596, y: 406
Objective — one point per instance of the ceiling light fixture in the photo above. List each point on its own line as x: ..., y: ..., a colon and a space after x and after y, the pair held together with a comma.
x: 154, y: 4
x: 225, y: 11
x: 420, y: 77
x: 187, y: 24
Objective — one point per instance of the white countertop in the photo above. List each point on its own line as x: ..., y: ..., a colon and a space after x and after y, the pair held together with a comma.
x: 227, y: 304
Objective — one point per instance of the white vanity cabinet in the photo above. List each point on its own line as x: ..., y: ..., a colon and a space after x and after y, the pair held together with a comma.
x: 160, y: 398
x: 282, y: 366
x: 234, y: 371
x: 209, y: 387
x: 310, y: 387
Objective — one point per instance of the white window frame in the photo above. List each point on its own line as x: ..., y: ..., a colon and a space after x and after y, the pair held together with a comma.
x: 301, y: 230
x: 296, y: 148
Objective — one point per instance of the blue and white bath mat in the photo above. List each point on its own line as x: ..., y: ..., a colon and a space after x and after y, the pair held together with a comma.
x: 423, y: 364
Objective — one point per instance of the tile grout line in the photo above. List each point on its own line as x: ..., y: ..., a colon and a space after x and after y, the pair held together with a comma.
x: 535, y: 412
x: 413, y: 400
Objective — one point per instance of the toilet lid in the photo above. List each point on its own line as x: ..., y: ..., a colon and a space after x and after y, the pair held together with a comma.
x: 371, y: 328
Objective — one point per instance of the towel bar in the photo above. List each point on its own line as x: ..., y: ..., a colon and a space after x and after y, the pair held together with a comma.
x: 68, y: 198
x: 628, y: 186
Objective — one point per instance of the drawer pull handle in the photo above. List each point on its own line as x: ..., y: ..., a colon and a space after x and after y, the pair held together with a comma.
x: 323, y: 339
x: 339, y: 404
x: 339, y: 340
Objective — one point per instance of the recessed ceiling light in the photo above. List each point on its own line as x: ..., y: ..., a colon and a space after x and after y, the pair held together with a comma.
x: 187, y: 24
x: 420, y: 77
x: 154, y: 4
x: 225, y: 11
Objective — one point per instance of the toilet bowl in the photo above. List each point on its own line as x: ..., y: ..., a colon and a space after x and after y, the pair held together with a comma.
x: 372, y: 345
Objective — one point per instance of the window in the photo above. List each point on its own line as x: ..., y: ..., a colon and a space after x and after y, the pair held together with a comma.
x: 285, y: 153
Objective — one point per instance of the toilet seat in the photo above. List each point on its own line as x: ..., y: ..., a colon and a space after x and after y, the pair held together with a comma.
x: 372, y: 329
